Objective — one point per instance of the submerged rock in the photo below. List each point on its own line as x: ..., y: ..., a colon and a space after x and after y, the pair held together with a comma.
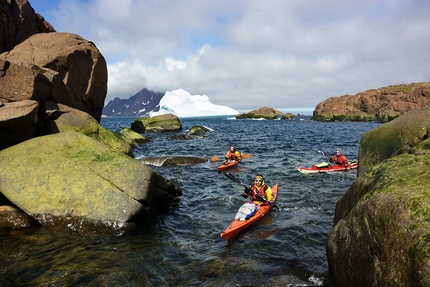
x: 172, y: 160
x: 10, y: 217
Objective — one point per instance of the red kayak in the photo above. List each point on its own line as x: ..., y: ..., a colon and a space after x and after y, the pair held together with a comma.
x: 238, y: 225
x: 327, y: 167
x: 227, y: 165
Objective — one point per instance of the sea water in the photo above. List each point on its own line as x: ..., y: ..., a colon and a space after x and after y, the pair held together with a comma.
x: 182, y: 246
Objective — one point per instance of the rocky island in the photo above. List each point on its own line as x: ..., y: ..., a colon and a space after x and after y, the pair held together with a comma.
x: 382, y: 104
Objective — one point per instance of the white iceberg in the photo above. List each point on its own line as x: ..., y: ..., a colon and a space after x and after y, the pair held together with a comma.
x: 183, y: 104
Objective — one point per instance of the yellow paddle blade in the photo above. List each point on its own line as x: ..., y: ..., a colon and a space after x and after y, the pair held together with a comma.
x: 214, y: 158
x: 246, y: 155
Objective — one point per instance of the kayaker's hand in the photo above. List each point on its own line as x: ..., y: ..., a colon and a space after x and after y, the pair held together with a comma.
x: 245, y: 195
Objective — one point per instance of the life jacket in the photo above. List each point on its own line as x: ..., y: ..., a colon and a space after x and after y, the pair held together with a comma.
x: 340, y: 160
x: 261, y: 191
x: 233, y: 155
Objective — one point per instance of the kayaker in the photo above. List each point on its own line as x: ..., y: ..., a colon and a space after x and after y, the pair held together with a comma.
x: 259, y: 192
x: 339, y: 159
x: 232, y: 155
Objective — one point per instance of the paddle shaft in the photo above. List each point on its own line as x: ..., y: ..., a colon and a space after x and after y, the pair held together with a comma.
x: 321, y: 152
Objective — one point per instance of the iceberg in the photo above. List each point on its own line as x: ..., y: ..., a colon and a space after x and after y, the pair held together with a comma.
x: 183, y: 104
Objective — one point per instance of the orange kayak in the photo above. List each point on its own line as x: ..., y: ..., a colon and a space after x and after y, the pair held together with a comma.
x: 238, y: 225
x: 227, y: 165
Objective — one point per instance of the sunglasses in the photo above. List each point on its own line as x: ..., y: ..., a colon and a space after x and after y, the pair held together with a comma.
x: 258, y: 180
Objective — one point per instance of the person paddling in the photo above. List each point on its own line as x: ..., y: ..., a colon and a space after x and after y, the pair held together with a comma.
x: 232, y: 155
x: 259, y: 192
x: 339, y: 159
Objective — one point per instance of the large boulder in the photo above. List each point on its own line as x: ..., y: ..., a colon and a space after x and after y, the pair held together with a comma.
x: 382, y: 104
x: 76, y: 72
x: 70, y: 175
x: 162, y: 123
x: 17, y: 122
x: 381, y: 232
x: 19, y: 21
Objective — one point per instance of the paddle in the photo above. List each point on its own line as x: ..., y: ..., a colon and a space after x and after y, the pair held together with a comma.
x: 232, y: 177
x: 321, y: 152
x: 246, y: 155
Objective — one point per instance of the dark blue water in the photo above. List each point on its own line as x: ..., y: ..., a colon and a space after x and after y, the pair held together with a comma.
x: 182, y: 247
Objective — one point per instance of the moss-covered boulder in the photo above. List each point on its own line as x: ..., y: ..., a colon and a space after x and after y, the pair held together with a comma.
x: 133, y: 136
x: 72, y: 175
x: 60, y: 118
x: 381, y: 234
x: 162, y: 123
x: 199, y: 130
x: 288, y: 116
x: 396, y: 137
x: 261, y: 113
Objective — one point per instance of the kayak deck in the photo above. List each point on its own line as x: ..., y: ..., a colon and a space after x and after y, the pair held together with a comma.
x: 238, y: 225
x: 227, y: 165
x: 335, y: 168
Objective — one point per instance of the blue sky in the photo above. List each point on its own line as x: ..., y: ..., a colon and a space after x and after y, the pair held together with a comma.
x: 246, y: 54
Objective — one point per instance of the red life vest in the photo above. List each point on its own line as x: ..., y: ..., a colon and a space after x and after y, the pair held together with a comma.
x: 261, y: 191
x: 232, y: 155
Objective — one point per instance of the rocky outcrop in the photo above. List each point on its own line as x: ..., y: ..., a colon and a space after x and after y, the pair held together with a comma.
x: 162, y: 123
x: 66, y: 69
x: 18, y: 21
x: 383, y: 104
x: 261, y: 113
x: 59, y: 166
x: 381, y: 231
x: 70, y: 175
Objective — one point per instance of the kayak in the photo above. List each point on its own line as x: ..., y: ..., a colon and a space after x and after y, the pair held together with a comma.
x: 327, y: 167
x: 227, y: 165
x: 238, y: 225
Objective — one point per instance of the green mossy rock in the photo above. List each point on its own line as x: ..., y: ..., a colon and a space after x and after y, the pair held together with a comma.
x: 198, y: 130
x: 63, y: 119
x: 133, y: 136
x: 70, y: 174
x: 393, y: 138
x: 288, y: 116
x: 382, y: 227
x: 381, y: 235
x: 162, y: 123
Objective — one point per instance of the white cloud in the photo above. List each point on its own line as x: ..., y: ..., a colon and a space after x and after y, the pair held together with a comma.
x: 246, y: 54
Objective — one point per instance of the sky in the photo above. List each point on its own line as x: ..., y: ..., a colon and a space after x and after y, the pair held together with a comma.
x: 246, y: 54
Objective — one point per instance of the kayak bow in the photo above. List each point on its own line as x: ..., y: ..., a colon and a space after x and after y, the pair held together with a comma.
x: 227, y: 165
x: 238, y: 225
